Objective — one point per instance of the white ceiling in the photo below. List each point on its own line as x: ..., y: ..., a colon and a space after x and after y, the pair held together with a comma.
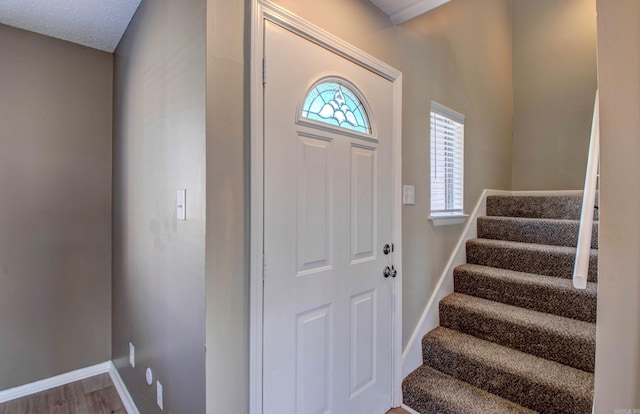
x: 99, y: 24
x: 402, y: 10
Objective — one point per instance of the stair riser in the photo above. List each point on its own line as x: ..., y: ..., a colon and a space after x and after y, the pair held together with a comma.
x: 421, y: 406
x: 551, y: 207
x: 555, y: 233
x: 550, y: 263
x: 570, y: 303
x: 429, y: 391
x: 576, y: 352
x: 525, y: 391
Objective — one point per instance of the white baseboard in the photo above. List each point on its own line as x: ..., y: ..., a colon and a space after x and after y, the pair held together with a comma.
x: 541, y: 193
x: 57, y: 381
x: 123, y: 392
x: 73, y: 376
x: 409, y: 409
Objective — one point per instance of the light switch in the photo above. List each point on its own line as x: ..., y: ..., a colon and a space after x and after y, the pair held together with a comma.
x: 181, y: 204
x: 132, y: 355
x: 159, y: 396
x: 409, y: 195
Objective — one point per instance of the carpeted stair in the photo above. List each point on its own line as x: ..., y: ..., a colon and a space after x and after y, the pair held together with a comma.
x: 515, y: 336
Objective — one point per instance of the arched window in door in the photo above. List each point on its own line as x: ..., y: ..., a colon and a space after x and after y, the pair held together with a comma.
x: 332, y: 102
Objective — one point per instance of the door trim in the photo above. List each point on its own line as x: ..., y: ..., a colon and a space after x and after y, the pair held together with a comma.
x: 262, y: 10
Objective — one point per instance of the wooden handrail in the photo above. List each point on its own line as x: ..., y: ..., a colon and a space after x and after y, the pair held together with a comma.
x: 583, y: 249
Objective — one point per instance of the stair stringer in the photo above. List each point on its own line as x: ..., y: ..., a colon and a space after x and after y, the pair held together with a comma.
x: 430, y: 319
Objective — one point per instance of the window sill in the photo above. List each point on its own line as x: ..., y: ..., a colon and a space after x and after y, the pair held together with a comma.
x: 448, y: 219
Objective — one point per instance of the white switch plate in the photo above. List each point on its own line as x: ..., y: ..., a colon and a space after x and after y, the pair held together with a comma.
x: 132, y: 355
x: 181, y: 204
x: 409, y: 195
x: 159, y: 396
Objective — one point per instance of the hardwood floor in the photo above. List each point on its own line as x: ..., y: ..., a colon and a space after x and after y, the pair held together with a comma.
x: 398, y: 411
x: 95, y: 395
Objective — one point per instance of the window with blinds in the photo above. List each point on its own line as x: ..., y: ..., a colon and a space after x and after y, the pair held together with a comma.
x: 447, y: 161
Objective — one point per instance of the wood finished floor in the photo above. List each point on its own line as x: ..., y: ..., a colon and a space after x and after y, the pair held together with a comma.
x: 95, y: 395
x: 398, y: 411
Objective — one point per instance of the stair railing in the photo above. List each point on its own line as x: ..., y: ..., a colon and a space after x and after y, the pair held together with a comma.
x: 583, y: 250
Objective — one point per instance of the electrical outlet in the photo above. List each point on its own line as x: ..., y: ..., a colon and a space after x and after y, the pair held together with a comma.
x: 132, y: 355
x: 159, y: 396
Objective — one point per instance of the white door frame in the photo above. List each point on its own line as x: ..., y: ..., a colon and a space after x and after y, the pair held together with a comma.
x: 265, y: 10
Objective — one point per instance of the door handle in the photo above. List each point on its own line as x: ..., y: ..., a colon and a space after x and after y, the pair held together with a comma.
x: 390, y: 271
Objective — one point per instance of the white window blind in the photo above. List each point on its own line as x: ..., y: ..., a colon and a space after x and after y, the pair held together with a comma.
x: 447, y: 160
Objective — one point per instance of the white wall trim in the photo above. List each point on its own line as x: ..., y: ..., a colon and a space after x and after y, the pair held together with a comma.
x: 430, y: 319
x: 409, y: 409
x: 53, y: 382
x: 416, y: 10
x: 547, y: 193
x: 123, y: 392
x: 396, y: 205
x: 301, y: 27
x: 262, y: 10
x: 73, y: 376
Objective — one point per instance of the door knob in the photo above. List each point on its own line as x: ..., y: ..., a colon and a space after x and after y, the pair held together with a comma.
x: 390, y: 272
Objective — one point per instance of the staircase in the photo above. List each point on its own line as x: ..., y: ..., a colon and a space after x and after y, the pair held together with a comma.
x: 515, y: 336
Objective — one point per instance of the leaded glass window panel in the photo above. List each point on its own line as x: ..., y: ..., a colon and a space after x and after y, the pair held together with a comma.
x: 335, y: 104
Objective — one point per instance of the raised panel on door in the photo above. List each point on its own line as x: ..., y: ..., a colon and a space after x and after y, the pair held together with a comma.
x: 363, y: 203
x: 315, y: 227
x: 363, y: 341
x: 314, y: 344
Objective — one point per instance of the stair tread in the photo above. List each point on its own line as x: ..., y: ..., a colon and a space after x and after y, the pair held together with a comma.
x: 534, y: 219
x: 528, y: 246
x: 523, y: 317
x: 557, y: 232
x: 427, y: 390
x: 564, y: 340
x: 542, y: 259
x: 529, y: 278
x: 563, y: 380
x: 566, y: 206
x: 528, y: 290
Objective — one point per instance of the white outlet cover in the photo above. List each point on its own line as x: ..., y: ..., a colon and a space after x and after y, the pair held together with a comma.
x: 149, y: 376
x: 159, y: 396
x: 132, y: 355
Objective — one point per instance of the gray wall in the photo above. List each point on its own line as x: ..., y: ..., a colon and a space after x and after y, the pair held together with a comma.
x: 618, y: 336
x: 55, y: 216
x: 159, y: 147
x: 554, y: 84
x: 458, y: 55
x: 227, y: 270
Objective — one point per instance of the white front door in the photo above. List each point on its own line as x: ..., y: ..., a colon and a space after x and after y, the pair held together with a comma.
x: 328, y: 214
